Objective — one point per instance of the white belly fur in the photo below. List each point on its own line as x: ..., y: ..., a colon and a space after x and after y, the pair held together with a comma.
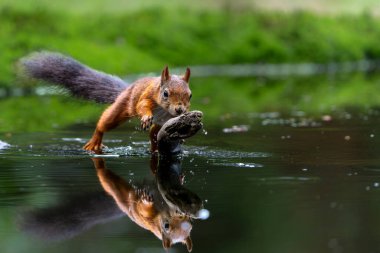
x: 160, y: 116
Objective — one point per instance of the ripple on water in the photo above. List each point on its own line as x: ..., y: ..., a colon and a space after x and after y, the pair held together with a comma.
x: 80, y: 140
x: 241, y: 165
x: 126, y: 151
x: 74, y: 147
x: 220, y: 153
x: 286, y: 180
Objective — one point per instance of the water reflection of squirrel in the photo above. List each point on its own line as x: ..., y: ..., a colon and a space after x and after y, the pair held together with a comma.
x: 163, y: 206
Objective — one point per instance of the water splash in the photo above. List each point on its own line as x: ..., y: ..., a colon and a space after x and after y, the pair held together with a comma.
x: 126, y: 151
x: 4, y: 145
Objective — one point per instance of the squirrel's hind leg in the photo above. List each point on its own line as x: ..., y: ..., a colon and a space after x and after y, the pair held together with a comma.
x: 113, y: 116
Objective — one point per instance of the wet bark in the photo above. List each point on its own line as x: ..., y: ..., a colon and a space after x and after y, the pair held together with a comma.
x: 175, y: 130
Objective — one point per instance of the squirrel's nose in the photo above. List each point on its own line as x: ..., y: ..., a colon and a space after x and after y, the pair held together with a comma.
x: 178, y: 110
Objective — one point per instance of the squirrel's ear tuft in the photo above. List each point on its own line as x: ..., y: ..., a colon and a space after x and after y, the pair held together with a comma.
x: 165, y: 76
x: 166, y: 243
x: 186, y: 77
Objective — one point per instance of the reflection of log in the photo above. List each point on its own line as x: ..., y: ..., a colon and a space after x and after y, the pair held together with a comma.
x: 177, y: 197
x: 172, y: 133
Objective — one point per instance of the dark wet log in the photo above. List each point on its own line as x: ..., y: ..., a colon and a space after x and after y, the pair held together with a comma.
x: 175, y: 130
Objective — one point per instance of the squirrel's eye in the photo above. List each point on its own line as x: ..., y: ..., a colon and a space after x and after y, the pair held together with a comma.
x: 166, y: 226
x: 166, y: 94
x: 190, y: 96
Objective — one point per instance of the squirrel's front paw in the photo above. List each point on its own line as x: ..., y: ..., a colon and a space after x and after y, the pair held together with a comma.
x: 94, y: 146
x: 146, y: 122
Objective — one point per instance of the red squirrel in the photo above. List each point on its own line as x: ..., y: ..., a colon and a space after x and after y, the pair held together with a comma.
x: 153, y: 99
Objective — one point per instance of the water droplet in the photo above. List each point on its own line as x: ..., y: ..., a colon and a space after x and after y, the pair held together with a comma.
x: 305, y: 169
x: 203, y: 214
x: 347, y: 137
x: 376, y: 184
x: 371, y: 135
x: 204, y: 131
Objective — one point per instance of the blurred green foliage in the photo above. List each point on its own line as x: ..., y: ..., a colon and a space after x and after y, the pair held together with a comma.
x: 147, y: 39
x: 44, y: 113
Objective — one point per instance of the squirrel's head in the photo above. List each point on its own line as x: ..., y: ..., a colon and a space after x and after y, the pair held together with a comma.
x: 175, y: 230
x: 175, y: 93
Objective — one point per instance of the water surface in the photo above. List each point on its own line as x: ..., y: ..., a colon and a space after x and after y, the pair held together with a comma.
x: 273, y: 183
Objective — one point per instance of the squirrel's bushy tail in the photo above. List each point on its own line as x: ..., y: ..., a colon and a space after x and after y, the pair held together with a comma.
x: 80, y: 80
x: 69, y: 218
